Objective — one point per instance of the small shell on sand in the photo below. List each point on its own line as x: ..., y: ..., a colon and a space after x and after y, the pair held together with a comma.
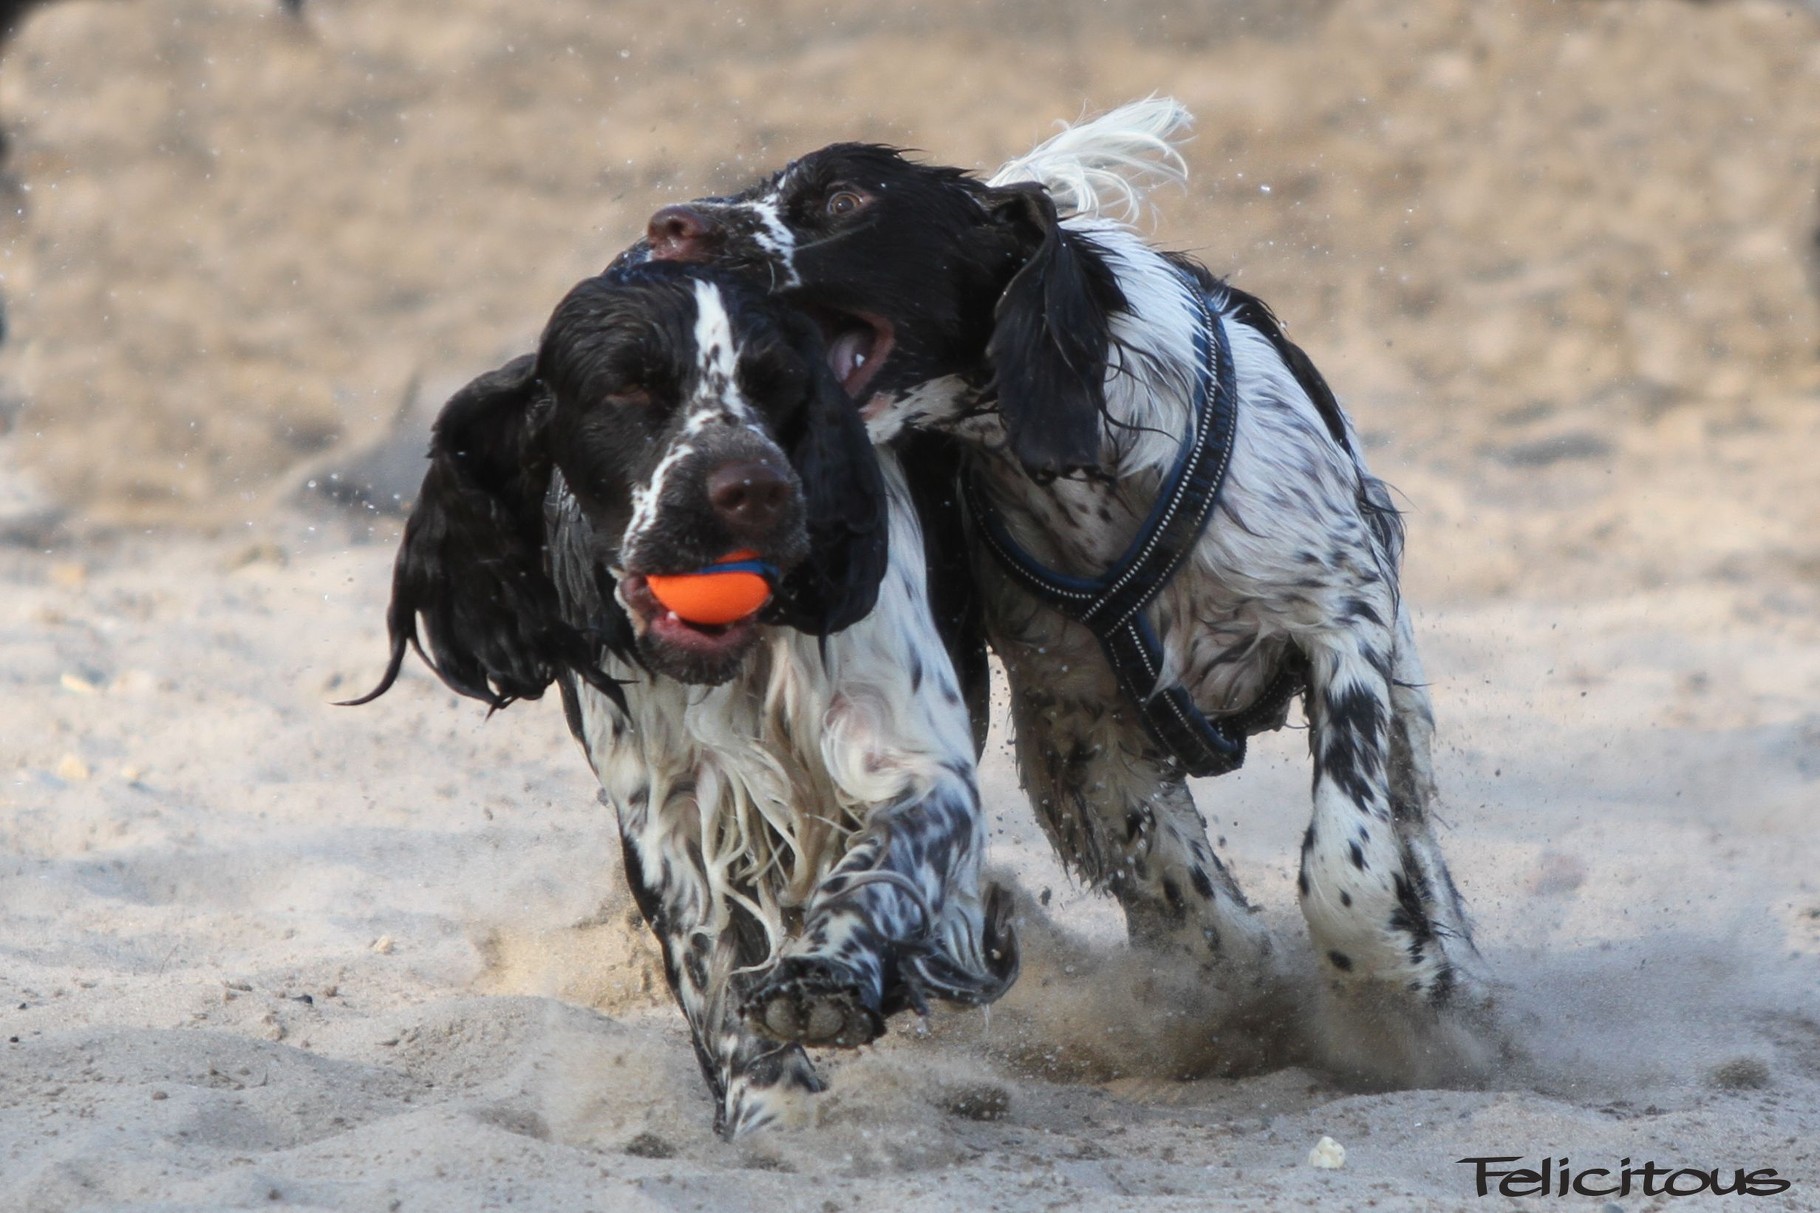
x: 1328, y: 1154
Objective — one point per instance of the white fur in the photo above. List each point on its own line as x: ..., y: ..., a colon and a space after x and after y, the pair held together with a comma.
x: 718, y: 392
x: 732, y: 767
x: 828, y: 789
x: 1110, y: 162
x: 1289, y: 562
x: 778, y: 241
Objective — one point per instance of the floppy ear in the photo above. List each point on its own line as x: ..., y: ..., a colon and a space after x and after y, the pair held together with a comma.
x: 844, y: 504
x: 471, y: 565
x: 1051, y: 336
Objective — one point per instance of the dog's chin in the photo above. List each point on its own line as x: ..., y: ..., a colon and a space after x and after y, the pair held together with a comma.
x: 696, y: 653
x: 699, y: 655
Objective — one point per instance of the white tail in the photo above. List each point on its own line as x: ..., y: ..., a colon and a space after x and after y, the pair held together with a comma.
x: 1110, y: 163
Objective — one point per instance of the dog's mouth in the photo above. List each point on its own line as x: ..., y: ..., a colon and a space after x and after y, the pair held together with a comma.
x: 858, y: 344
x: 690, y: 651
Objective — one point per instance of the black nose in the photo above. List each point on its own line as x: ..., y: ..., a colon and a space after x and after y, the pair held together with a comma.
x: 680, y: 233
x: 749, y: 496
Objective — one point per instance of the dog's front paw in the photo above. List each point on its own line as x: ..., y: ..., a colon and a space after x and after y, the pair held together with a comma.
x: 811, y: 1001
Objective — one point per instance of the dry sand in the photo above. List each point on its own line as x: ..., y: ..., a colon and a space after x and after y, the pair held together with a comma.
x: 256, y: 951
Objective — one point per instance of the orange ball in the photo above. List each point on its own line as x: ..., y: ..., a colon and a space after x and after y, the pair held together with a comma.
x: 712, y: 597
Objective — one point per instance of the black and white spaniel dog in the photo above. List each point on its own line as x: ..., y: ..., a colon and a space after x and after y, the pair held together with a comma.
x: 796, y: 789
x: 1173, y: 529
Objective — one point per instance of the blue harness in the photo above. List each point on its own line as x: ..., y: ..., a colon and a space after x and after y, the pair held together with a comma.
x: 1111, y: 605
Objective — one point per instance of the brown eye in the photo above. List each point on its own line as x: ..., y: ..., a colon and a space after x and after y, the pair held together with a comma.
x: 632, y: 397
x: 844, y: 202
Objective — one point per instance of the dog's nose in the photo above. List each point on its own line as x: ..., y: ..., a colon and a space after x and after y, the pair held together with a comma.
x: 680, y: 233
x: 751, y: 497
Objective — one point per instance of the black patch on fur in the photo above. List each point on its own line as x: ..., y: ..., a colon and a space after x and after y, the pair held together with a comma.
x: 931, y: 463
x: 1441, y: 993
x: 1351, y: 742
x: 1411, y: 914
x: 1355, y: 609
x: 1254, y: 313
x: 843, y: 499
x: 1051, y: 339
x: 571, y: 708
x: 1341, y: 961
x: 471, y: 565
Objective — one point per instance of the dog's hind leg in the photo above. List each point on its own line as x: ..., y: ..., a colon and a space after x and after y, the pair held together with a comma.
x: 1405, y: 987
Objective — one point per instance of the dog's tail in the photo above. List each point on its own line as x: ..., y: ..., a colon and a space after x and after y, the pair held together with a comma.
x: 1106, y: 166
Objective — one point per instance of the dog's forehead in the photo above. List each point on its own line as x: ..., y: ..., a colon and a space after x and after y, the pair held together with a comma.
x: 662, y: 326
x: 868, y: 165
x: 718, y: 334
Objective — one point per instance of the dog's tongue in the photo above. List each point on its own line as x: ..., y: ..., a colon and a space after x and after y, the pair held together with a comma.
x: 849, y: 353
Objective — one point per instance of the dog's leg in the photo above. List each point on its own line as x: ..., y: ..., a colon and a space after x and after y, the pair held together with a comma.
x: 897, y: 921
x: 1412, y: 793
x: 898, y: 918
x: 754, y: 1082
x: 1118, y: 812
x: 1374, y: 902
x: 1407, y: 988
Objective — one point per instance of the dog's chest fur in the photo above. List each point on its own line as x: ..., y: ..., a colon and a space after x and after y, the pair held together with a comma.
x: 721, y: 771
x: 725, y: 772
x: 1222, y: 643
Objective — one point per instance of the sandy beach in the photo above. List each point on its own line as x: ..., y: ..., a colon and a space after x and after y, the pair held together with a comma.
x: 257, y: 950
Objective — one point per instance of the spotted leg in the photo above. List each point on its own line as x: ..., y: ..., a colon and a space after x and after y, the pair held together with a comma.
x: 894, y: 924
x: 1377, y: 898
x: 1412, y: 795
x: 899, y: 917
x: 1117, y: 811
x: 754, y: 1081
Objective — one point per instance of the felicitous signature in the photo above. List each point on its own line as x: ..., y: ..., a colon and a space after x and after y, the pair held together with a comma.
x: 1558, y: 1177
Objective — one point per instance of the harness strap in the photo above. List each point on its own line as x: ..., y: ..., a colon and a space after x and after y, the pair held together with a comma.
x: 1111, y: 605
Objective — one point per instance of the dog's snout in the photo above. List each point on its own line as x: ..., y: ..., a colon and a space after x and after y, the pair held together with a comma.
x: 680, y: 233
x: 751, y: 497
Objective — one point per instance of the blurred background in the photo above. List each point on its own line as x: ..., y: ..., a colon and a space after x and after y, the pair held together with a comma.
x: 236, y: 242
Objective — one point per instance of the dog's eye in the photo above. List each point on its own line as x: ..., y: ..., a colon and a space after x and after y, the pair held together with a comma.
x: 845, y: 202
x: 630, y: 398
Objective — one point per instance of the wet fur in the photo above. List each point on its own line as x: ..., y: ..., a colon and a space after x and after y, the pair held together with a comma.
x: 1059, y: 351
x: 801, y: 827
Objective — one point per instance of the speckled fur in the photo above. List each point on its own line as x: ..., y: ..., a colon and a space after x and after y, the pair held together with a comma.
x: 1301, y: 556
x: 1299, y: 562
x: 757, y: 816
x: 798, y: 807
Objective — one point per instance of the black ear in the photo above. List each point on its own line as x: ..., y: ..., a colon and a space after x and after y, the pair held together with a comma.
x: 471, y: 565
x: 1051, y: 337
x: 844, y: 501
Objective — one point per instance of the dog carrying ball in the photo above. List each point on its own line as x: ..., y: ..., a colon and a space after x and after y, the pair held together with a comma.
x: 727, y: 591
